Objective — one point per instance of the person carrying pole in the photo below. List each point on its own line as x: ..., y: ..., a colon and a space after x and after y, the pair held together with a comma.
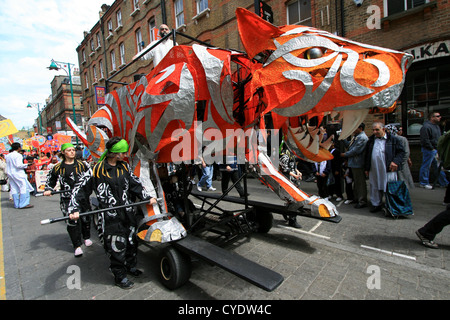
x: 68, y: 172
x: 114, y: 185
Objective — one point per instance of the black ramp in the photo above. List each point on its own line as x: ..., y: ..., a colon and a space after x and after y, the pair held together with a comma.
x: 234, y: 263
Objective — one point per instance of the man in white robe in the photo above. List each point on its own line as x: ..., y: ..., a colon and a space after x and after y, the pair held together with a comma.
x: 160, y: 51
x: 15, y: 169
x: 383, y: 159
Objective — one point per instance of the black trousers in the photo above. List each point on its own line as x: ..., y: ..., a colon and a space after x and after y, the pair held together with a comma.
x: 435, y: 225
x: 121, y: 245
x: 322, y: 186
x: 78, y: 230
x: 234, y: 176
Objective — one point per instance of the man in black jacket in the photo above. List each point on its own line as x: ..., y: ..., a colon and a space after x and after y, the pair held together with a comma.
x: 429, y: 136
x: 384, y: 154
x: 114, y: 184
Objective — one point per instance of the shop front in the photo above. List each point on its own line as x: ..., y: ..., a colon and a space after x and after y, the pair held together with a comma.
x: 426, y: 90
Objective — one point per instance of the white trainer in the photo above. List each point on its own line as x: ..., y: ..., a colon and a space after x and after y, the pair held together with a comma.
x: 78, y: 252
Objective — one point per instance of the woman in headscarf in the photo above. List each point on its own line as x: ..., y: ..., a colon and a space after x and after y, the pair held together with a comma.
x: 68, y: 172
x: 404, y: 173
x: 114, y: 184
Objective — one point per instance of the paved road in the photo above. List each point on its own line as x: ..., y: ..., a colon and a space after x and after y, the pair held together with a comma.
x: 365, y: 256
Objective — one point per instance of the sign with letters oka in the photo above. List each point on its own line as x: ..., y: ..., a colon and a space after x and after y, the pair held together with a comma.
x: 430, y: 50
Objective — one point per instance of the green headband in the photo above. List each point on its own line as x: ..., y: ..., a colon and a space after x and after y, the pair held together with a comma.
x: 66, y: 145
x: 119, y: 147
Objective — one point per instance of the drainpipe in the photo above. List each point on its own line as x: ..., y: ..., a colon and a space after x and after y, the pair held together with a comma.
x: 105, y: 64
x: 163, y: 11
x: 342, y: 19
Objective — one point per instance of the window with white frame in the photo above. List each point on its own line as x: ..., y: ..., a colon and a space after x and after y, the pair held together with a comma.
x: 98, y: 40
x: 113, y: 60
x: 299, y: 12
x: 135, y: 4
x: 152, y: 30
x: 139, y: 42
x: 110, y: 27
x: 100, y: 66
x: 86, y: 82
x: 119, y: 18
x: 83, y: 53
x: 92, y: 45
x: 94, y: 69
x: 201, y: 5
x: 179, y: 13
x: 396, y: 6
x: 122, y: 53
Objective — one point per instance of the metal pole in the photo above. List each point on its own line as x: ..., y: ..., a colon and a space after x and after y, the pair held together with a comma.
x: 40, y: 120
x: 73, y: 102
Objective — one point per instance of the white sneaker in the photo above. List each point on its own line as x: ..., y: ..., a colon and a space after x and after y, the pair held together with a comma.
x: 212, y: 189
x: 199, y: 188
x: 426, y: 186
x: 78, y: 252
x: 339, y: 199
x: 88, y: 242
x: 348, y: 201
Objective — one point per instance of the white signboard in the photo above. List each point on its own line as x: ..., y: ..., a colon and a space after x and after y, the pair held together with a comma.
x: 430, y: 50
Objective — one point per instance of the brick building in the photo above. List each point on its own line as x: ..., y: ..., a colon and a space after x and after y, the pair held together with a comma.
x: 59, y: 105
x: 421, y: 27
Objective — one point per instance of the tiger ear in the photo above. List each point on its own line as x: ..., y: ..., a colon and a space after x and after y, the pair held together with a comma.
x: 256, y: 34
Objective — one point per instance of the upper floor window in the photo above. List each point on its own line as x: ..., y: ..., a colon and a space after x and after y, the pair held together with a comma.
x: 119, y: 18
x: 113, y: 60
x: 94, y: 69
x: 100, y: 66
x: 396, y: 6
x: 110, y: 27
x: 179, y: 13
x: 122, y: 53
x: 152, y: 29
x: 135, y: 4
x: 86, y: 81
x: 98, y: 40
x: 299, y: 12
x: 139, y: 42
x: 202, y: 5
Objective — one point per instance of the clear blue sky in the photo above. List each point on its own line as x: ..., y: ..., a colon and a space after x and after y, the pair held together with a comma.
x: 33, y: 32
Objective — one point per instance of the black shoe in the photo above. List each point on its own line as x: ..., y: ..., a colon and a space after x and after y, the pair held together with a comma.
x: 125, y: 283
x: 360, y: 205
x: 426, y: 242
x: 294, y: 224
x: 243, y: 196
x: 134, y: 272
x: 375, y: 209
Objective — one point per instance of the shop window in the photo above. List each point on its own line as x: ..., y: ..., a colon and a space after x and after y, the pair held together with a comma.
x: 427, y: 90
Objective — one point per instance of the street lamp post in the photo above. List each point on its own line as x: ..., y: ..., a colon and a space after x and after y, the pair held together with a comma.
x: 57, y: 65
x: 36, y: 105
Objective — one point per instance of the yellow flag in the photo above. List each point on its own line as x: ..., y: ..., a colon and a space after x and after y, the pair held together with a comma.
x: 7, y: 128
